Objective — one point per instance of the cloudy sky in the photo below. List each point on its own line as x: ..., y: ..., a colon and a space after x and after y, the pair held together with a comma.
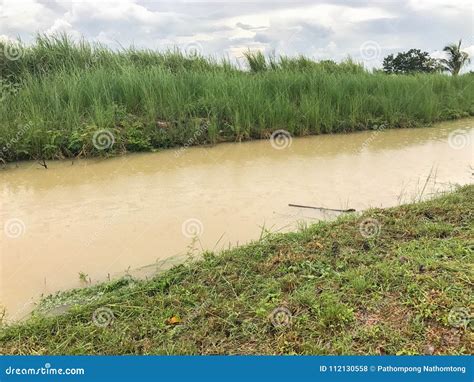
x: 365, y: 30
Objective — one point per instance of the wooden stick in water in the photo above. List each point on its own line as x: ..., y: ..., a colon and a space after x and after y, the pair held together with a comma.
x: 321, y: 208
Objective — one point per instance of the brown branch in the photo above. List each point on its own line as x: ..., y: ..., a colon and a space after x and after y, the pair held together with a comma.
x: 321, y: 208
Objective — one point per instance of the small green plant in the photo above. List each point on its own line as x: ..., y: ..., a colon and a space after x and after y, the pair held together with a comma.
x: 84, y: 278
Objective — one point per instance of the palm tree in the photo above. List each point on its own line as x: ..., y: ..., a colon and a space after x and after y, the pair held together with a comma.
x: 456, y: 58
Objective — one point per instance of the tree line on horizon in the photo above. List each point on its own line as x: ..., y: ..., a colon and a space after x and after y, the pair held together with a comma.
x: 417, y: 61
x: 409, y: 62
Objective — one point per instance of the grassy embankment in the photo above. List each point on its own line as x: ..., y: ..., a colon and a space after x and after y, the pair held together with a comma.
x: 57, y: 95
x: 405, y: 290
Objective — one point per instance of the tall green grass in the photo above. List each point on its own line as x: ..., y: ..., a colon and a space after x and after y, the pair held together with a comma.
x: 50, y: 54
x: 58, y: 94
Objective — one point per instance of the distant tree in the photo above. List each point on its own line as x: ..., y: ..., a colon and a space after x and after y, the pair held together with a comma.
x: 412, y: 61
x: 456, y: 58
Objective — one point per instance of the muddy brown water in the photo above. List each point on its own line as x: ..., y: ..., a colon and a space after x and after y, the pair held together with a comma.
x: 104, y: 216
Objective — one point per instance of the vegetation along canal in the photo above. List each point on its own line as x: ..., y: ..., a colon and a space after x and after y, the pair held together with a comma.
x: 84, y: 221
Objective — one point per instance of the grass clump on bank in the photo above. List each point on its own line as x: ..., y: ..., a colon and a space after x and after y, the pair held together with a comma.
x: 58, y: 95
x: 404, y: 288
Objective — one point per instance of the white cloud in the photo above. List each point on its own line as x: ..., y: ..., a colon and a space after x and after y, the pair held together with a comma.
x: 63, y: 26
x: 469, y: 50
x: 321, y: 29
x: 23, y: 17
